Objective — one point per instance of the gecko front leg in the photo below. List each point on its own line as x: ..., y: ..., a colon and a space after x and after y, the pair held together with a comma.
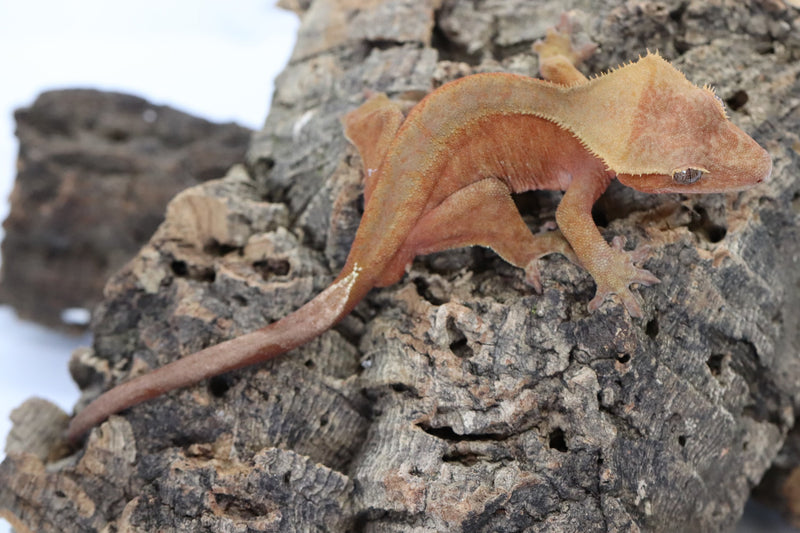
x: 559, y: 57
x: 612, y: 268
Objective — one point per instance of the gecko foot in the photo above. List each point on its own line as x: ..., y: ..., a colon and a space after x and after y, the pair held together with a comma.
x: 549, y: 240
x: 621, y: 272
x: 558, y: 42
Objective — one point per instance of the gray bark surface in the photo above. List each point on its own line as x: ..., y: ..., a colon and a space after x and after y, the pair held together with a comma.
x: 458, y: 399
x: 94, y: 174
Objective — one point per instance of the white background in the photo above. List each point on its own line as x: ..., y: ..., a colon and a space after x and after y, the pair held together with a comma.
x: 213, y: 59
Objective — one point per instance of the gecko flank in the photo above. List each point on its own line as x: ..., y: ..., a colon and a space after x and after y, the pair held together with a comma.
x: 443, y: 176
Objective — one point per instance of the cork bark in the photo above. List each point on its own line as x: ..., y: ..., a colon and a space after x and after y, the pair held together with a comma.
x: 94, y: 174
x: 458, y: 399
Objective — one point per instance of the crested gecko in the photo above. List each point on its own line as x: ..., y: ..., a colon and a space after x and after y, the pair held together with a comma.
x: 442, y: 177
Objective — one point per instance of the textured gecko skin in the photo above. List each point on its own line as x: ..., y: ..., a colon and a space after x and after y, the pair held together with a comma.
x: 443, y: 176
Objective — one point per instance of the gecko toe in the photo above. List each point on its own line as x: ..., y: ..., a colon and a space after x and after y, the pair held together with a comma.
x: 533, y: 277
x: 626, y: 297
x: 645, y: 277
x: 631, y: 304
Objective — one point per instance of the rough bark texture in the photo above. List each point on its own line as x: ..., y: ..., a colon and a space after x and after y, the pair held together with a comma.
x: 457, y: 400
x: 95, y: 172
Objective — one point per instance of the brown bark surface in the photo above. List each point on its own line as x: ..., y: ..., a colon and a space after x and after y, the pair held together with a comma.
x: 458, y: 399
x: 94, y: 174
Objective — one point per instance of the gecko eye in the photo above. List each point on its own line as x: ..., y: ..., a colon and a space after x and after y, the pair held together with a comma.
x: 687, y: 176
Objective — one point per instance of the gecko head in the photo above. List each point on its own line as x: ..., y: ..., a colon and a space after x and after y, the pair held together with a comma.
x: 682, y: 141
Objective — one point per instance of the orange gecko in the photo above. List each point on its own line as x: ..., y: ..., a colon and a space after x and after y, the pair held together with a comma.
x: 443, y: 176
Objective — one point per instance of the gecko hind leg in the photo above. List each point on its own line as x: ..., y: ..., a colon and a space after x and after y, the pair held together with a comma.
x: 482, y: 214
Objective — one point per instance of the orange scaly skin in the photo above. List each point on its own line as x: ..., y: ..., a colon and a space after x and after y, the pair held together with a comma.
x: 446, y: 173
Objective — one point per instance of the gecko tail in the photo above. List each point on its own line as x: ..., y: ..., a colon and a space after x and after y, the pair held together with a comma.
x: 295, y: 329
x: 181, y: 373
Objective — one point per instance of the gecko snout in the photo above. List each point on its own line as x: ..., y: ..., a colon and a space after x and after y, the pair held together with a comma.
x: 754, y: 163
x: 760, y: 169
